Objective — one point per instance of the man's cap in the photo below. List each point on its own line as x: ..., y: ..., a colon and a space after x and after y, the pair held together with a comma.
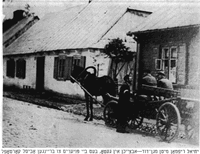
x: 126, y: 77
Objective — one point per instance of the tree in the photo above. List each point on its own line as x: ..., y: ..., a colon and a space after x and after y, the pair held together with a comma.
x: 118, y: 52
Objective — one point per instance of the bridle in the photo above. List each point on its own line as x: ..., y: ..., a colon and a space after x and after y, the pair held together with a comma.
x: 85, y: 70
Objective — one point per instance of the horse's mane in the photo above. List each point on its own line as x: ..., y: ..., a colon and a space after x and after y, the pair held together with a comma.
x: 104, y: 84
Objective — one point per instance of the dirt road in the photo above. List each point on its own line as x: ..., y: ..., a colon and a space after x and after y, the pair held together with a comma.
x: 29, y: 126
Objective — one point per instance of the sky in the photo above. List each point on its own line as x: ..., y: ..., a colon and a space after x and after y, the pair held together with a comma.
x: 41, y: 7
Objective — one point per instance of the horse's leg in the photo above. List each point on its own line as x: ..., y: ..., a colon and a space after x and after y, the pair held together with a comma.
x: 87, y: 107
x: 105, y: 99
x: 91, y: 109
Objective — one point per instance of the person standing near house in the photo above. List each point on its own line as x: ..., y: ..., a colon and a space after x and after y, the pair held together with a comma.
x: 163, y: 82
x: 123, y: 105
x: 148, y: 79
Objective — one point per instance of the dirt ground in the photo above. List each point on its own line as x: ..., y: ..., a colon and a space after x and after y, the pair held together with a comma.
x: 28, y: 125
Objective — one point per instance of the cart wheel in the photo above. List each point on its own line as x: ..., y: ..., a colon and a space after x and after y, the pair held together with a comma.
x: 168, y: 122
x: 135, y: 123
x: 110, y: 113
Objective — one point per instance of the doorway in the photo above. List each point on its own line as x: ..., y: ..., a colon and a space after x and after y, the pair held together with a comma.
x: 40, y: 73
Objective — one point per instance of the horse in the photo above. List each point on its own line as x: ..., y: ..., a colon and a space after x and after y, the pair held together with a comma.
x: 96, y: 86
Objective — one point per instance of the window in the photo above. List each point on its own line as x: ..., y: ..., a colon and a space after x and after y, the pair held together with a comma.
x: 21, y: 68
x: 158, y: 64
x: 60, y: 67
x: 10, y: 72
x: 167, y: 61
x: 64, y: 65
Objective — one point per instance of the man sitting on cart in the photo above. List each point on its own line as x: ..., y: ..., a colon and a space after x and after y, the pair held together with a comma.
x: 163, y: 82
x: 148, y: 79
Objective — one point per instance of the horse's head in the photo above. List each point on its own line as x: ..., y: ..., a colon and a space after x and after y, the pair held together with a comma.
x: 80, y: 74
x: 76, y: 72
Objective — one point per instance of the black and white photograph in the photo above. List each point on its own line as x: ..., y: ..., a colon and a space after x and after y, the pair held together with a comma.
x: 101, y: 74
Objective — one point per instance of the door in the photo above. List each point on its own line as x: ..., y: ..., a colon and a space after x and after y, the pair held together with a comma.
x: 40, y: 74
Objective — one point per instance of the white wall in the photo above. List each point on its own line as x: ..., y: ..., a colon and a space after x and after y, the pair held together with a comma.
x: 194, y: 63
x: 193, y: 70
x: 30, y: 74
x: 93, y: 58
x: 66, y: 87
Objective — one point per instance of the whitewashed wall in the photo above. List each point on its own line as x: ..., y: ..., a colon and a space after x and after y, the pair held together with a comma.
x: 30, y: 74
x: 194, y: 69
x: 66, y: 87
x: 194, y: 63
x: 93, y: 58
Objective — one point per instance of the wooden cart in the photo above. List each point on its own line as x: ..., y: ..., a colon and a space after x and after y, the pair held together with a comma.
x: 151, y: 103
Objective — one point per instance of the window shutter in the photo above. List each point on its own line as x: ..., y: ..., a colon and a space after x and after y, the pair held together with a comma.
x: 55, y: 74
x: 181, y: 64
x: 158, y: 64
x: 156, y: 57
x: 21, y: 68
x: 24, y: 69
x: 10, y: 68
x: 82, y: 61
x: 22, y: 65
x: 18, y: 68
x: 68, y: 68
x: 13, y: 69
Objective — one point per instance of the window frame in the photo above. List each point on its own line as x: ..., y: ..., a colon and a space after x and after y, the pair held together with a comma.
x: 167, y: 60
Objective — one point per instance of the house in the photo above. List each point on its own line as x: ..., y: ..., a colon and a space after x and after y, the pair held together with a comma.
x: 169, y: 40
x: 129, y: 20
x: 44, y: 56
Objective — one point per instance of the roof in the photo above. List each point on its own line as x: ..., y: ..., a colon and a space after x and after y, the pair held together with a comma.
x: 169, y: 17
x: 129, y: 20
x: 77, y: 28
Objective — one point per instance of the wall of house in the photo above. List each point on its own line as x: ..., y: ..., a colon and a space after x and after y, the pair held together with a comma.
x: 50, y: 83
x: 151, y: 47
x: 30, y: 78
x: 194, y: 63
x: 188, y: 64
x: 93, y: 58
